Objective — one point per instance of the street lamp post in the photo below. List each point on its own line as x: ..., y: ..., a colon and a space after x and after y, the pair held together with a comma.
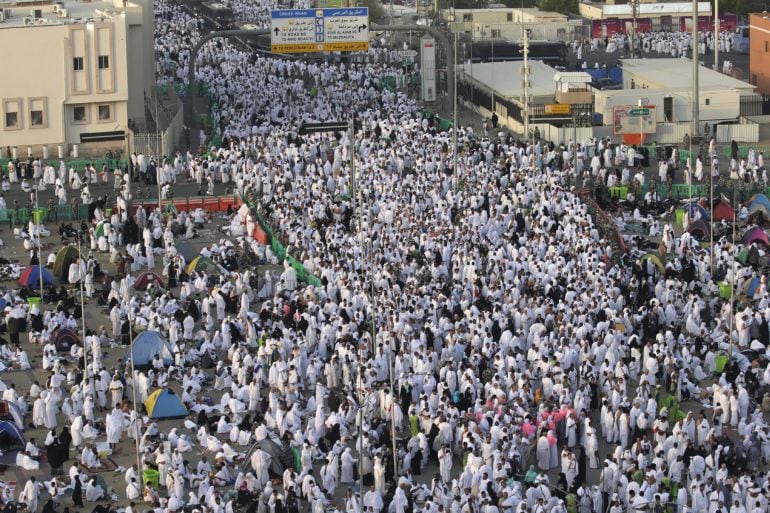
x: 716, y: 35
x: 456, y: 175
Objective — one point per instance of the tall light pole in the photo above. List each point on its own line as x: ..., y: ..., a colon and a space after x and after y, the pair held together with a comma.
x: 494, y: 65
x: 82, y: 317
x: 732, y: 286
x: 634, y: 39
x: 694, y: 127
x: 456, y: 175
x: 711, y: 219
x: 137, y: 417
x: 716, y: 35
x: 525, y: 78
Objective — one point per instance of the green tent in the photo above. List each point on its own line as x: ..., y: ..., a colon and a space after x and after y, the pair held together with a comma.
x: 655, y: 259
x: 743, y: 256
x: 99, y: 231
x: 64, y: 258
x: 200, y: 263
x: 186, y: 250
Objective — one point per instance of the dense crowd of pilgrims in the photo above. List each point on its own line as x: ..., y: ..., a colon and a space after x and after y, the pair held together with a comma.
x: 517, y: 356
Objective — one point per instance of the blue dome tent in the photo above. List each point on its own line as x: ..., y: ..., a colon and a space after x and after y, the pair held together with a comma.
x: 758, y: 199
x: 164, y: 404
x: 31, y: 277
x: 11, y: 436
x: 693, y: 208
x: 146, y: 346
x: 753, y: 286
x: 9, y: 411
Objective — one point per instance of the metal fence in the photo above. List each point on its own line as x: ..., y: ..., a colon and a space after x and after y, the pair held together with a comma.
x: 148, y: 144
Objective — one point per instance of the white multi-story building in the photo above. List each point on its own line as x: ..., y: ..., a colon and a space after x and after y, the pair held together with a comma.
x: 509, y: 24
x: 75, y: 73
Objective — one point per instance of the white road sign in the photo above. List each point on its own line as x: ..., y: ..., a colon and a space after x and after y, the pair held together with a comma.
x: 319, y: 30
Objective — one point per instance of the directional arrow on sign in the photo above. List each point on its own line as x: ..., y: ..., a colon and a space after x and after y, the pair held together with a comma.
x: 361, y: 27
x: 277, y: 30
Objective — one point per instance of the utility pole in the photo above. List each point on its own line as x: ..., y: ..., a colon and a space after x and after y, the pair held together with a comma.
x: 525, y: 82
x: 351, y: 136
x: 711, y: 219
x: 694, y: 128
x: 575, y: 145
x: 494, y: 65
x: 716, y: 35
x: 158, y: 158
x: 634, y: 29
x: 454, y: 126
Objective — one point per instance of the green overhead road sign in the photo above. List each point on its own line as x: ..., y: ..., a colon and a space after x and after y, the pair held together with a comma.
x: 639, y: 112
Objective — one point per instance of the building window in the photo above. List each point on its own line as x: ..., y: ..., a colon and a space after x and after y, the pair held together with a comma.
x: 104, y: 62
x: 468, y: 17
x: 11, y: 120
x: 708, y: 101
x: 105, y: 113
x: 79, y: 114
x: 77, y: 64
x: 37, y: 117
x: 509, y: 16
x: 495, y: 33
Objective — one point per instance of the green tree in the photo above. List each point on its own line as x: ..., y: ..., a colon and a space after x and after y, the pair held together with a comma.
x: 470, y: 4
x: 561, y: 6
x: 741, y: 6
x: 376, y: 12
x: 517, y: 3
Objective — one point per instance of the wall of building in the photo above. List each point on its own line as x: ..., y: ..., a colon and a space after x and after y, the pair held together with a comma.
x: 512, y: 31
x: 714, y: 105
x: 506, y: 24
x: 759, y: 52
x: 141, y: 55
x: 79, y: 79
x: 38, y: 78
x: 600, y: 11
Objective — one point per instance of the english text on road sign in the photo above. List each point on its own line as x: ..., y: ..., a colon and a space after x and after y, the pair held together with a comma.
x: 557, y: 108
x: 319, y: 30
x: 630, y: 119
